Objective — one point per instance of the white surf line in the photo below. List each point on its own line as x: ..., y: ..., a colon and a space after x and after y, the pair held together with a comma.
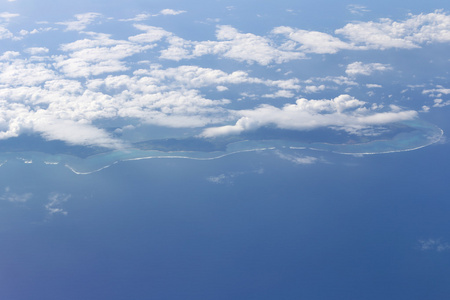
x: 395, y: 151
x: 166, y: 157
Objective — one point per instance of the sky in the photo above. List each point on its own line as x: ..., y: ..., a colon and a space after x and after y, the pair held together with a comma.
x: 329, y: 182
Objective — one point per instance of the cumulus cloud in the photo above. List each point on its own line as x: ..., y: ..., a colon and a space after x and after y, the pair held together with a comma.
x: 359, y: 68
x: 313, y: 41
x: 5, y: 33
x: 411, y: 33
x: 232, y: 44
x: 69, y: 94
x: 96, y: 56
x: 343, y: 112
x: 384, y: 34
x: 441, y: 103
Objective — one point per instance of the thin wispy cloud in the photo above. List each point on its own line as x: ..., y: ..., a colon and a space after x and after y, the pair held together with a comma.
x: 298, y: 159
x: 359, y: 68
x: 357, y: 9
x: 438, y: 245
x: 10, y: 196
x: 81, y: 22
x: 55, y: 203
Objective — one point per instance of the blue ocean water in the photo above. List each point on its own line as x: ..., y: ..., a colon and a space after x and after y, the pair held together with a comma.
x: 247, y: 226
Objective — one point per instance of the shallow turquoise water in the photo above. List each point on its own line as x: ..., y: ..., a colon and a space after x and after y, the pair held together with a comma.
x: 419, y: 134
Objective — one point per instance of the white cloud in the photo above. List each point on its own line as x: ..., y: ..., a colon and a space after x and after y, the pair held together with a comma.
x: 437, y: 91
x: 343, y: 112
x: 152, y: 34
x: 93, y: 79
x: 54, y: 205
x: 96, y: 56
x: 373, y: 86
x: 8, y: 55
x: 358, y: 68
x: 298, y: 160
x: 314, y: 88
x: 434, y: 245
x: 357, y: 9
x: 221, y: 88
x: 313, y: 41
x: 72, y: 132
x: 81, y: 22
x: 37, y: 50
x: 243, y: 47
x: 171, y: 12
x: 441, y: 103
x: 217, y: 179
x: 5, y: 33
x: 280, y: 94
x: 13, y: 197
x: 23, y: 73
x: 137, y: 18
x: 8, y: 16
x: 230, y: 176
x: 386, y: 33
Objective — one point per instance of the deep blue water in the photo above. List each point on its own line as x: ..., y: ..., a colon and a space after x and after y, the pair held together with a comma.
x: 347, y: 228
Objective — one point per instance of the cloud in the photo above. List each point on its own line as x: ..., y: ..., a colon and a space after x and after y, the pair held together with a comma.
x: 357, y: 9
x: 13, y: 197
x: 434, y: 245
x: 145, y: 16
x: 96, y: 56
x: 231, y: 44
x: 358, y: 68
x: 298, y: 160
x: 152, y: 34
x: 37, y: 50
x: 438, y: 91
x: 5, y: 33
x: 314, y: 88
x: 55, y: 202
x: 384, y: 34
x: 312, y: 41
x: 171, y: 12
x: 343, y: 112
x: 408, y: 34
x: 441, y: 103
x: 138, y: 18
x: 96, y: 80
x: 372, y: 86
x: 280, y: 94
x: 8, y: 16
x: 81, y: 22
x: 228, y: 178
